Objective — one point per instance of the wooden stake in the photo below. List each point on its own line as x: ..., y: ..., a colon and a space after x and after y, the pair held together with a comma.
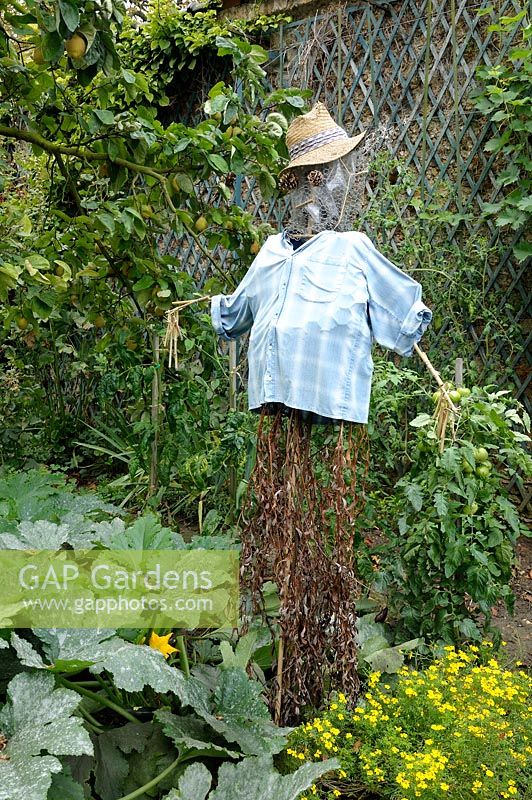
x: 279, y: 698
x: 232, y: 406
x: 155, y: 409
x: 436, y: 375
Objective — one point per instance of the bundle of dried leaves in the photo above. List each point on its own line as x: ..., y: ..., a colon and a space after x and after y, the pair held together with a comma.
x: 305, y: 496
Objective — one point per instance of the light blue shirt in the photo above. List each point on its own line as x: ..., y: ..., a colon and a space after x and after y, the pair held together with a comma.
x: 314, y: 313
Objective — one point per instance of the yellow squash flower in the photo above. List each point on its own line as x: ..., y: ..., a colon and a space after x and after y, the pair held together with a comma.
x: 162, y: 643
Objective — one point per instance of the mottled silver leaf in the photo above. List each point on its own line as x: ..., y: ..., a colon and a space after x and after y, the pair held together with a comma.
x: 194, y: 784
x: 26, y: 653
x: 256, y: 779
x: 36, y: 718
x: 190, y: 733
x: 133, y: 666
x: 40, y: 535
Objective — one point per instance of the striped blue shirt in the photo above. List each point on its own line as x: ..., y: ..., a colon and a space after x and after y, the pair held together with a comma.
x: 314, y: 313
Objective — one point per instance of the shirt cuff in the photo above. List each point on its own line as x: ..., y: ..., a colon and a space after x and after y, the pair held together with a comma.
x: 413, y: 328
x: 216, y: 315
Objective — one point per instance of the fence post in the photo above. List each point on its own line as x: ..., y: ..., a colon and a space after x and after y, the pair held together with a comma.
x: 458, y: 371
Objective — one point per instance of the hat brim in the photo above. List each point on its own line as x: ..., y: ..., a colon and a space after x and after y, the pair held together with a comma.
x: 325, y: 153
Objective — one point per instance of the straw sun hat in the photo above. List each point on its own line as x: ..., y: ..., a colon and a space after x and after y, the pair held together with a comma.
x: 315, y: 138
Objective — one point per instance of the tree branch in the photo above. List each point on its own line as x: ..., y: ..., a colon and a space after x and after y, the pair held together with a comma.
x: 82, y: 153
x: 76, y: 152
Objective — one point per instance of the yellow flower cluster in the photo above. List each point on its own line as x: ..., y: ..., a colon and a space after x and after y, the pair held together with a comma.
x: 324, y: 734
x: 423, y: 771
x: 460, y: 729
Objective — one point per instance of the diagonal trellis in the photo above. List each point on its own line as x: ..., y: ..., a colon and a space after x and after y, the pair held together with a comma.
x: 410, y: 64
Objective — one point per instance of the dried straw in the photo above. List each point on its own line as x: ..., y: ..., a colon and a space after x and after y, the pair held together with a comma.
x: 173, y: 329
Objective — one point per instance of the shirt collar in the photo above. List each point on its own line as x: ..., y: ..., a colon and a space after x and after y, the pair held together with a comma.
x: 285, y: 240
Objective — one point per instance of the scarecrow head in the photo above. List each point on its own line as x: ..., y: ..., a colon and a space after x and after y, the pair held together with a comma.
x: 324, y: 179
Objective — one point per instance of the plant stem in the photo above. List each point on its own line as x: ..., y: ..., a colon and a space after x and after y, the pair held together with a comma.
x: 92, y: 723
x: 183, y: 657
x: 232, y: 406
x: 87, y: 683
x: 104, y: 701
x: 154, y: 781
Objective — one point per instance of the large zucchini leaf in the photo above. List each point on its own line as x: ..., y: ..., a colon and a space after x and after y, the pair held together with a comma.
x: 240, y: 714
x: 251, y: 779
x: 192, y: 736
x: 36, y: 719
x: 133, y: 666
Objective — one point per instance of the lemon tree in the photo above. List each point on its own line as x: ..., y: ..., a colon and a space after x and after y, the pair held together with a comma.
x: 100, y: 172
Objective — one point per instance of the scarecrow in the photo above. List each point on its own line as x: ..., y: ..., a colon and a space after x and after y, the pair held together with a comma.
x: 314, y: 299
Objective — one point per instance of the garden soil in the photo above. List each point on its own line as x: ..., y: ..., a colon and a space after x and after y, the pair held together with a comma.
x: 517, y: 628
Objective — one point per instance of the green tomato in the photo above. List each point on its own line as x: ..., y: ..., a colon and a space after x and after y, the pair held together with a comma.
x: 436, y: 396
x: 480, y: 454
x: 455, y: 395
x: 472, y: 509
x: 482, y: 471
x: 466, y: 467
x: 464, y: 391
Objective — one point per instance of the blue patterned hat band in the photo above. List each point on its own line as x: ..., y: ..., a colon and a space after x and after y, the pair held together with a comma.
x: 317, y: 140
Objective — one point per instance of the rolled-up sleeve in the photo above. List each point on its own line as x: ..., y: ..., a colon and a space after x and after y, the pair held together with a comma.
x: 231, y: 314
x: 397, y: 315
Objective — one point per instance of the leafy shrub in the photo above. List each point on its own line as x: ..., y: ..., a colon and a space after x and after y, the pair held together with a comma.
x: 505, y: 98
x: 460, y: 730
x: 450, y: 558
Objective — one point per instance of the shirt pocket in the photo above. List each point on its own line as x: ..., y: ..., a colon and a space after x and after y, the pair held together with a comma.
x: 321, y: 280
x: 356, y: 287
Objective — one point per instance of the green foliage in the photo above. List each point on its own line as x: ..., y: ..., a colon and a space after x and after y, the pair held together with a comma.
x: 451, y: 556
x: 459, y: 729
x: 374, y: 646
x: 229, y: 719
x: 252, y: 779
x: 431, y: 243
x: 49, y: 31
x: 38, y: 717
x: 38, y: 495
x: 505, y: 99
x: 95, y: 178
x: 173, y: 42
x: 397, y: 392
x: 146, y: 717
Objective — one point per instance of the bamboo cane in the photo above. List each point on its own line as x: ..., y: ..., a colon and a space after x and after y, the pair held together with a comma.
x: 446, y: 411
x: 436, y: 375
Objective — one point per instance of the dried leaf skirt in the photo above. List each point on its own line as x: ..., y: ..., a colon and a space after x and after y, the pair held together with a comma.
x: 306, y: 491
